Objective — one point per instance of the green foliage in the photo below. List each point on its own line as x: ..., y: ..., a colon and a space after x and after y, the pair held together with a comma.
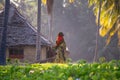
x: 8, y: 61
x: 68, y: 60
x: 81, y: 61
x: 102, y: 59
x: 109, y: 18
x: 53, y: 71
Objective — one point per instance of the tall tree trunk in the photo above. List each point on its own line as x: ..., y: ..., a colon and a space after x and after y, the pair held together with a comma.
x: 97, y: 33
x: 50, y: 10
x: 50, y: 19
x: 38, y: 42
x: 4, y: 33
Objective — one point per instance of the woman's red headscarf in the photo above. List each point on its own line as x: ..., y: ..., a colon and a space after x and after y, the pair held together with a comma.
x: 59, y: 38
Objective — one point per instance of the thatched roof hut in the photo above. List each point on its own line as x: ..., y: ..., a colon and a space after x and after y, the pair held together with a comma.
x: 20, y: 31
x: 21, y: 37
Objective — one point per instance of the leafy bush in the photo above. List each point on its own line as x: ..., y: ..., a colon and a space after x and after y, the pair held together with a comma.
x: 53, y: 71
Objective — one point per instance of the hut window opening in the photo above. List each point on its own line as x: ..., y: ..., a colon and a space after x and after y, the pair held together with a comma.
x: 16, y: 53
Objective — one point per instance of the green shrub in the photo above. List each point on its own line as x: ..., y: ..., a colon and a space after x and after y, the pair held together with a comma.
x: 54, y: 71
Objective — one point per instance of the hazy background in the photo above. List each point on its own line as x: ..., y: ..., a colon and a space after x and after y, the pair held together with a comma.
x: 77, y: 22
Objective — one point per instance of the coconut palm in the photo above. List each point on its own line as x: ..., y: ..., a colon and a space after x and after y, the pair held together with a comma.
x: 110, y: 16
x: 38, y: 45
x: 4, y: 34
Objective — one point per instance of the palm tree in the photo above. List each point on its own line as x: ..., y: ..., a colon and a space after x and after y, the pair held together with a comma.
x: 4, y: 33
x: 110, y: 16
x: 96, y: 48
x: 38, y: 42
x: 49, y: 4
x: 49, y: 9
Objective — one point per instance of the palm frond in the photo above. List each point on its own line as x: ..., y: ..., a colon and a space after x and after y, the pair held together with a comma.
x: 114, y: 29
x: 110, y: 12
x: 44, y: 2
x: 119, y: 36
x: 91, y: 2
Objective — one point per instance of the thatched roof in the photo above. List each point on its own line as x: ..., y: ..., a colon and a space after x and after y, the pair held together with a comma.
x: 20, y: 32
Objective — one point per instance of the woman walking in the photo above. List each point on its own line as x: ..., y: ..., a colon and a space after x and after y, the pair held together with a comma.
x: 60, y: 48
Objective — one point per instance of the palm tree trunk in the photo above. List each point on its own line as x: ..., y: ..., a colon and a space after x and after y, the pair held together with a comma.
x: 50, y: 10
x: 38, y: 42
x: 97, y: 33
x: 119, y: 41
x: 4, y: 34
x: 50, y: 19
